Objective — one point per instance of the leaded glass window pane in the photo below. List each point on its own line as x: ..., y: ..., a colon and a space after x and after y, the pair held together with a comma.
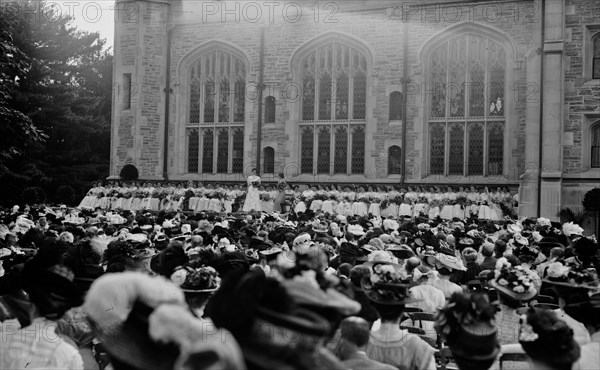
x: 195, y: 87
x: 209, y: 101
x: 207, y: 150
x: 193, y: 150
x: 222, y: 150
x: 394, y: 160
x: 437, y: 148
x: 358, y: 149
x: 269, y: 158
x: 239, y: 72
x: 240, y: 97
x: 496, y: 64
x: 475, y: 161
x: 224, y: 100
x: 439, y: 63
x: 340, y: 156
x: 308, y: 87
x: 595, y: 145
x: 342, y: 61
x: 337, y: 73
x: 456, y: 146
x: 477, y: 57
x: 306, y: 149
x: 495, y: 148
x: 324, y: 150
x: 456, y: 86
x: 468, y: 80
x: 238, y: 150
x: 270, y: 109
x: 359, y: 107
x: 395, y: 106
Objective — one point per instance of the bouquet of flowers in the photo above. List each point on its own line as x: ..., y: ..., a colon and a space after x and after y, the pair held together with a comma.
x: 156, y: 193
x: 461, y: 200
x: 265, y: 196
x: 255, y: 183
x: 176, y: 197
x: 363, y: 199
x: 436, y: 203
x: 115, y: 193
x: 127, y: 195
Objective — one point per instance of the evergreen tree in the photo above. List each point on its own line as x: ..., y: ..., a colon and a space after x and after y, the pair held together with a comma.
x: 65, y: 93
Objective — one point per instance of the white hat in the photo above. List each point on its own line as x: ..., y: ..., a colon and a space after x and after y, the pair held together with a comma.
x: 356, y: 230
x: 301, y: 239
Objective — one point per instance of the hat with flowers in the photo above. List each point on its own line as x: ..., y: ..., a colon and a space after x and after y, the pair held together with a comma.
x: 204, y: 279
x: 388, y: 284
x: 517, y: 282
x: 466, y: 323
x: 573, y: 276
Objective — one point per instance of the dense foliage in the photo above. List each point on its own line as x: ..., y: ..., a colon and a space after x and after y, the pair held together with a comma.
x: 55, y: 103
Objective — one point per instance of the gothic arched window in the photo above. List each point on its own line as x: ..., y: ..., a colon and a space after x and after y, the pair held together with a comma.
x: 216, y: 105
x: 395, y: 106
x: 466, y: 107
x: 394, y: 160
x: 333, y: 75
x: 269, y: 160
x: 596, y: 56
x: 595, y: 140
x: 270, y: 109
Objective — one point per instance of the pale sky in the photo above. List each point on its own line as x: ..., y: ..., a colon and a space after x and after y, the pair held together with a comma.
x: 91, y: 15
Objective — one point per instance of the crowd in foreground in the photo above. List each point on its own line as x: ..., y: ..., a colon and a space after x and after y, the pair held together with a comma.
x: 118, y: 288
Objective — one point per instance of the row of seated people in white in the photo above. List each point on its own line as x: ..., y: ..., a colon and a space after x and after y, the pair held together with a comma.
x: 484, y: 205
x: 170, y: 198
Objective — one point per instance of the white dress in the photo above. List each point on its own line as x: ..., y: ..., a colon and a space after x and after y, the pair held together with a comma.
x: 252, y: 201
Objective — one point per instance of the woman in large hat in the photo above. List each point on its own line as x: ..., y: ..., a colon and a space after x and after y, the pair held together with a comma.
x: 466, y: 323
x: 515, y: 285
x: 388, y: 289
x: 143, y: 323
x: 52, y: 291
x: 547, y: 340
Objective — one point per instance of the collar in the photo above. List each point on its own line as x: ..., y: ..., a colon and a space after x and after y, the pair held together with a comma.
x: 595, y: 337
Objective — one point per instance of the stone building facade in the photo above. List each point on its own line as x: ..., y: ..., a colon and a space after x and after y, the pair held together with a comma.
x: 349, y: 91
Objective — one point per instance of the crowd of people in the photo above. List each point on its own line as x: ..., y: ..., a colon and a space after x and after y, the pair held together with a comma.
x: 386, y: 201
x: 128, y: 280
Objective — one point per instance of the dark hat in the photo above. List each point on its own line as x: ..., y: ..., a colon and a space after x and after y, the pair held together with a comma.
x: 387, y: 284
x: 548, y: 339
x: 466, y: 322
x: 52, y: 287
x: 401, y: 251
x: 165, y: 262
x: 585, y: 247
x: 587, y: 311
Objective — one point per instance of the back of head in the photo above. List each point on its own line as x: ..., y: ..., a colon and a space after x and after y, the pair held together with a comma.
x: 469, y: 254
x: 355, y: 330
x: 487, y: 249
x: 344, y: 269
x: 357, y: 273
x: 499, y: 247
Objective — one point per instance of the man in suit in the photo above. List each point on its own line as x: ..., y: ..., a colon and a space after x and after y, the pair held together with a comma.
x: 351, y: 348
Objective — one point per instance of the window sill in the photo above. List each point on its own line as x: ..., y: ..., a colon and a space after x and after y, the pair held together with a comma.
x: 589, y: 82
x: 588, y: 174
x: 395, y: 122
